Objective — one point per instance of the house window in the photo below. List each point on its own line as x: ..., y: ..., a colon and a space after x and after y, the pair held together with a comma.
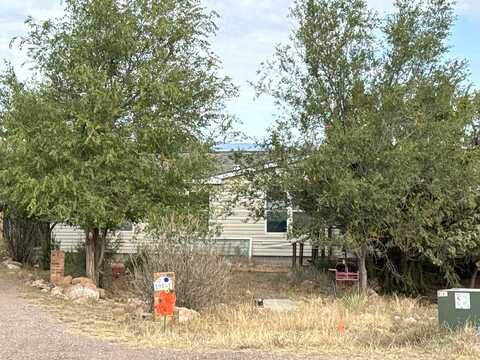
x: 276, y: 213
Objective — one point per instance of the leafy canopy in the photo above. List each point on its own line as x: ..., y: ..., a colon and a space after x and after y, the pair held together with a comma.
x: 124, y: 103
x: 375, y: 127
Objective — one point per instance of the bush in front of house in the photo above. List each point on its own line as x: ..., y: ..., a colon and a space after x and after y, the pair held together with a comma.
x: 176, y: 245
x: 75, y: 261
x: 23, y: 235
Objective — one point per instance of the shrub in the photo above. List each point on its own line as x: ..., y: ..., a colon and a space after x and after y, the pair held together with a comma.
x: 23, y: 234
x: 323, y: 264
x: 201, y: 276
x: 75, y: 261
x: 354, y: 300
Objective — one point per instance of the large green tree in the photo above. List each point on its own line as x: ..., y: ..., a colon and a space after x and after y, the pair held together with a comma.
x: 124, y: 103
x: 373, y: 136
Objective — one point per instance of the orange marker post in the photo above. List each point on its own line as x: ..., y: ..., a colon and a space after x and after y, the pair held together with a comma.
x: 164, y: 296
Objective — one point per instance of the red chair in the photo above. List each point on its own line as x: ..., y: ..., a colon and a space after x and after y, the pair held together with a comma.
x: 344, y: 277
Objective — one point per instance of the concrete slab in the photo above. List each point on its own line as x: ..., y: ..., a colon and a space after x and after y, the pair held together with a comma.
x: 279, y: 304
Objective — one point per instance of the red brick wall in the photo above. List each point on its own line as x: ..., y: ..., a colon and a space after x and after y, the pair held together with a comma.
x: 57, y: 266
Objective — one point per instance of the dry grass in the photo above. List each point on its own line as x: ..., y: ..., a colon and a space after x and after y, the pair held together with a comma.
x: 375, y: 327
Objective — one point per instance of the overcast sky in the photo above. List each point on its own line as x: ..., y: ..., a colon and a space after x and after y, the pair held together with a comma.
x: 248, y: 31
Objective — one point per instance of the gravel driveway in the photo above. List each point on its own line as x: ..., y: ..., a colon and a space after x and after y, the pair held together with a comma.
x: 28, y: 332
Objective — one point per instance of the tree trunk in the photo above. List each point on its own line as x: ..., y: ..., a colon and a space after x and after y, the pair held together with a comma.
x: 294, y: 255
x: 473, y: 280
x: 99, y: 255
x: 330, y: 240
x: 362, y: 267
x: 46, y: 244
x: 90, y: 247
x: 1, y: 225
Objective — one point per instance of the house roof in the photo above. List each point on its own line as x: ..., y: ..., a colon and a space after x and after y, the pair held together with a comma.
x: 236, y: 147
x: 225, y: 154
x: 229, y: 167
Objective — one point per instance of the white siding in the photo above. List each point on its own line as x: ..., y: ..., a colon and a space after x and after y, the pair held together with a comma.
x: 237, y: 223
x: 235, y: 226
x: 70, y: 237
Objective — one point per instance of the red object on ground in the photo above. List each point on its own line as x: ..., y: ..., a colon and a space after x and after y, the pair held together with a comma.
x: 117, y: 270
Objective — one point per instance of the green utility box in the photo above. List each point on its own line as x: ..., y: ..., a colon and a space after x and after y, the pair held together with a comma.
x: 457, y: 307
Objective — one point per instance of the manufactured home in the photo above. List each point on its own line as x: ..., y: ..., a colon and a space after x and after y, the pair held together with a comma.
x: 239, y: 233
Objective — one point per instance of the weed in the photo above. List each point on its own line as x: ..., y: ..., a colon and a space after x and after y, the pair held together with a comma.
x: 354, y: 300
x: 375, y: 327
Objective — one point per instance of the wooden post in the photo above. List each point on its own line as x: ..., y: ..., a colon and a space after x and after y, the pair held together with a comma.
x: 314, y: 254
x: 300, y: 259
x: 294, y: 254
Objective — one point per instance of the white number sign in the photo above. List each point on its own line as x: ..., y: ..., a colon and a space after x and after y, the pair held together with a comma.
x: 442, y: 293
x: 163, y: 283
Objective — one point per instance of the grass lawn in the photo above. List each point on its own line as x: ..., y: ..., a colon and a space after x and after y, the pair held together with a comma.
x: 352, y: 325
